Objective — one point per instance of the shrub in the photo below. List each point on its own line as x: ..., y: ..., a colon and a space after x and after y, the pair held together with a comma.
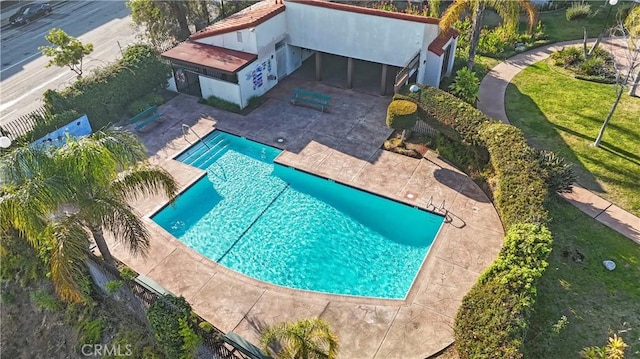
x: 221, y: 104
x: 45, y: 300
x: 578, y: 11
x: 401, y: 115
x: 592, y: 66
x: 105, y: 94
x: 496, y: 40
x: 567, y: 56
x: 466, y: 86
x: 521, y: 191
x: 139, y: 344
x: 170, y: 321
x: 90, y: 331
x: 559, y: 175
x: 493, y: 317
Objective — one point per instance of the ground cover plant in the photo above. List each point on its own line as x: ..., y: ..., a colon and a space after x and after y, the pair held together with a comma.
x: 563, y: 114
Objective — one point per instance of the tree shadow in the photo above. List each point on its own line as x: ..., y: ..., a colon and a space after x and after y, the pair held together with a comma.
x: 545, y: 135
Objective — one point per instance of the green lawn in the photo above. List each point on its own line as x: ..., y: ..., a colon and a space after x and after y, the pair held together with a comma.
x: 563, y: 114
x: 596, y: 302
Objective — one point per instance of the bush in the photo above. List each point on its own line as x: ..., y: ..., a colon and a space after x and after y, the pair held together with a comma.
x: 45, y: 300
x: 466, y: 86
x: 559, y: 175
x: 567, y: 56
x: 592, y: 66
x: 401, y: 115
x: 170, y: 321
x: 495, y: 41
x: 578, y: 11
x: 493, y: 317
x: 221, y: 104
x: 105, y: 94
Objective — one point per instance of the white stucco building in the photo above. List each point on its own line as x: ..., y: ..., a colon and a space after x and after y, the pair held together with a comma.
x: 247, y: 53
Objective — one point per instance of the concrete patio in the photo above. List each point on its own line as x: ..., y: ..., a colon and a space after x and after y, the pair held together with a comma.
x: 343, y: 145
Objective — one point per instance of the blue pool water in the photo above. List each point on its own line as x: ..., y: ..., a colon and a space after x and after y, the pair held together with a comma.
x: 290, y: 228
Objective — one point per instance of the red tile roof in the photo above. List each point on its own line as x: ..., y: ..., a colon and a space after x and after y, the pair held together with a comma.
x: 437, y: 45
x: 368, y: 11
x: 244, y: 19
x: 210, y: 56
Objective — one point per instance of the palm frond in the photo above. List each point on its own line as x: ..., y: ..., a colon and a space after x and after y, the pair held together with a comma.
x: 453, y: 13
x: 25, y: 162
x: 145, y: 180
x: 124, y: 146
x: 70, y: 244
x: 29, y: 207
x: 118, y: 218
x: 532, y: 14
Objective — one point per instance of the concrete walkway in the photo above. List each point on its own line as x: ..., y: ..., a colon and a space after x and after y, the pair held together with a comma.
x: 491, y: 102
x: 344, y: 146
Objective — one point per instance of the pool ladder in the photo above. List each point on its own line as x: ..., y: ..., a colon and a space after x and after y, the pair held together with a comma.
x: 188, y: 128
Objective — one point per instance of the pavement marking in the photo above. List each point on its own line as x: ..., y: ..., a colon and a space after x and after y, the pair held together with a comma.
x: 21, y: 61
x: 4, y: 106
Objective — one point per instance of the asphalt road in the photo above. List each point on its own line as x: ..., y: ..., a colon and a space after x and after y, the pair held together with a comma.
x: 23, y: 75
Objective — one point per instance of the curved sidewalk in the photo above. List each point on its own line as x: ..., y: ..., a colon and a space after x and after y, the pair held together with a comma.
x: 491, y: 102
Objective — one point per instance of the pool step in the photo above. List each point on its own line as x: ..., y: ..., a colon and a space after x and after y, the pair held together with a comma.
x: 213, y: 156
x: 198, y: 149
x: 202, y: 156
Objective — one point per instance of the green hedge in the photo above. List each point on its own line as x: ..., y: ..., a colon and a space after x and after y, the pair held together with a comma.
x: 494, y: 315
x: 493, y: 318
x: 105, y: 94
x: 401, y: 114
x: 521, y: 188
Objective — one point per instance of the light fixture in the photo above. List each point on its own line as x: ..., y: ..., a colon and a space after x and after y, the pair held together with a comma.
x: 5, y: 142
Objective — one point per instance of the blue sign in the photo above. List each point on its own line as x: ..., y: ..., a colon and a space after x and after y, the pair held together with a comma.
x: 77, y: 128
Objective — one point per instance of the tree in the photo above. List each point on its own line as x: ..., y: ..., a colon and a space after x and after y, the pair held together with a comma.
x: 305, y: 339
x: 67, y: 50
x: 60, y: 199
x: 168, y: 22
x: 508, y: 10
x: 632, y: 55
x: 632, y: 23
x: 402, y: 116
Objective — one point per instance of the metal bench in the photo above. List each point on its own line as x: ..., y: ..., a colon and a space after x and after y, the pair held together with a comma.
x: 310, y: 98
x: 144, y: 114
x: 151, y: 119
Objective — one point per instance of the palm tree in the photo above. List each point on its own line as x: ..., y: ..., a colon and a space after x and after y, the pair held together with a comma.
x: 508, y: 10
x: 305, y: 339
x: 60, y: 199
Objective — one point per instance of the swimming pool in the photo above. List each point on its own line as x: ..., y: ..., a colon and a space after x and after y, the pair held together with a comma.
x: 293, y: 229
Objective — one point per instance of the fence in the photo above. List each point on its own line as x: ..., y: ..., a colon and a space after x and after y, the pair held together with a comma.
x: 22, y: 125
x: 212, y: 339
x: 422, y: 127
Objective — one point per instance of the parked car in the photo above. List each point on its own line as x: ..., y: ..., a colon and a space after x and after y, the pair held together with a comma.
x: 28, y: 13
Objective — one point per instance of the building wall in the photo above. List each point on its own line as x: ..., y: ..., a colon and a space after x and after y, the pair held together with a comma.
x: 366, y: 37
x: 171, y: 84
x: 269, y: 33
x: 295, y: 57
x: 254, y: 79
x: 225, y: 90
x: 230, y: 41
x: 431, y: 77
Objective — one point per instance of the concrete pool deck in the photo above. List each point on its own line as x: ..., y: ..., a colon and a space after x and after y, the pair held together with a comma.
x: 343, y: 145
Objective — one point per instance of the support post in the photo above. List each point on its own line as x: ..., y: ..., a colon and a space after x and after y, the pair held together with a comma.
x: 318, y: 66
x: 349, y: 72
x: 383, y: 81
